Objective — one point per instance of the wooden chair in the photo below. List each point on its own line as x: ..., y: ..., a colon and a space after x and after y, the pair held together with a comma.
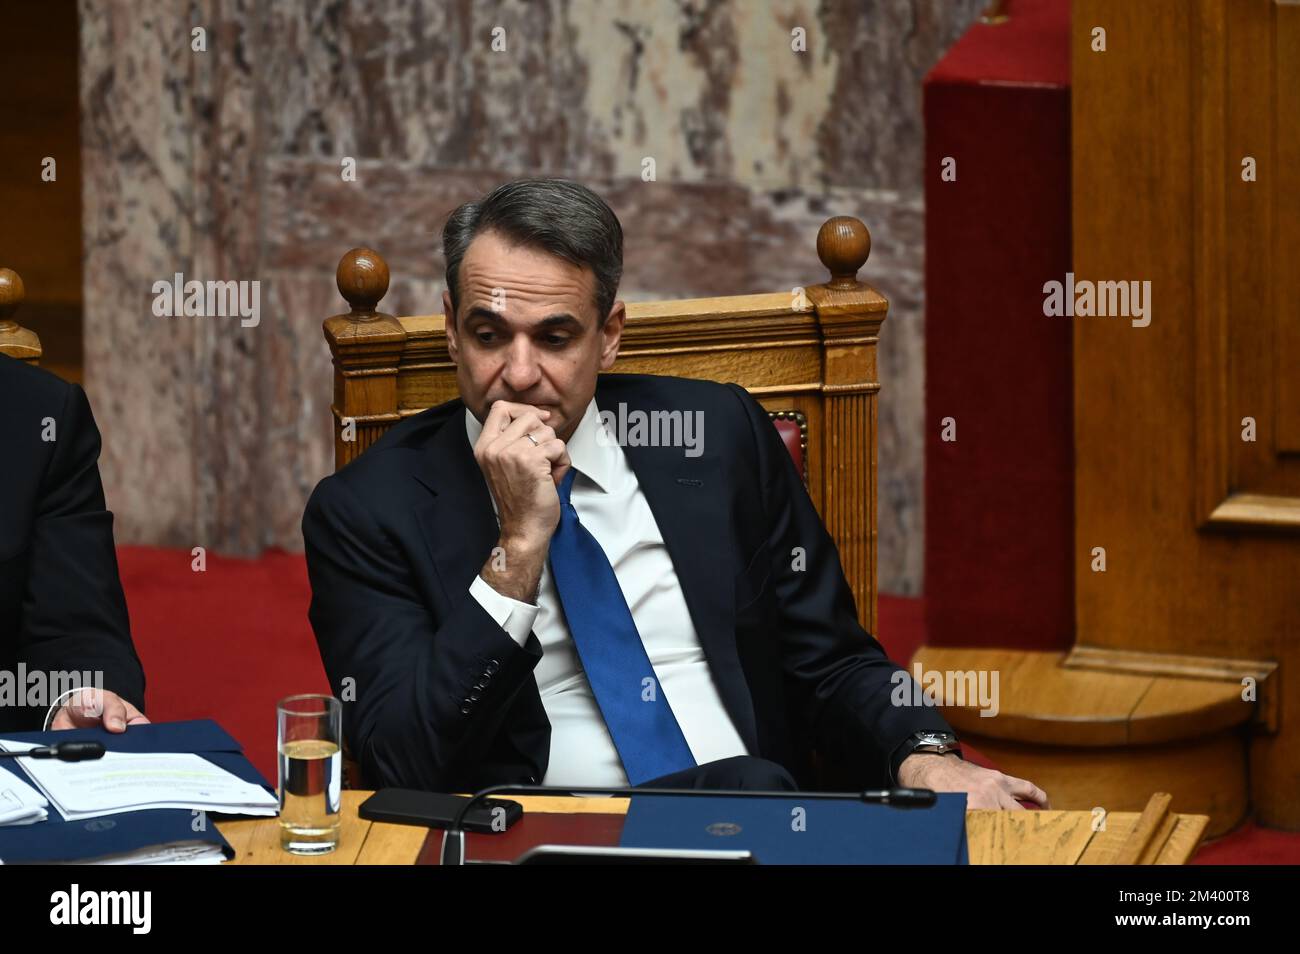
x: 808, y: 355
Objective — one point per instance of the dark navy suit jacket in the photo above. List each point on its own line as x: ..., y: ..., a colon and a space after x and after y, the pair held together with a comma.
x: 61, y: 602
x: 445, y: 699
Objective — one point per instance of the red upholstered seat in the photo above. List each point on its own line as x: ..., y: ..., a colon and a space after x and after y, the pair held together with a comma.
x: 794, y: 433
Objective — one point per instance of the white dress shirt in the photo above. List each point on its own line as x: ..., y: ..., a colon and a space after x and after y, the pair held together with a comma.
x: 610, y: 504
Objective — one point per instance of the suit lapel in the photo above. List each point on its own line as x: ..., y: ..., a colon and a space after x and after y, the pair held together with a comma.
x: 459, y: 524
x: 691, y: 504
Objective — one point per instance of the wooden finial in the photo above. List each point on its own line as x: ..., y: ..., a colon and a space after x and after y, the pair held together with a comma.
x: 362, y: 278
x: 12, y: 294
x: 15, y: 340
x: 995, y: 14
x: 367, y: 346
x: 843, y: 245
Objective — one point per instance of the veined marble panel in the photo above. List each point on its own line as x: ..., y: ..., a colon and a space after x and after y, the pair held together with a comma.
x: 226, y: 165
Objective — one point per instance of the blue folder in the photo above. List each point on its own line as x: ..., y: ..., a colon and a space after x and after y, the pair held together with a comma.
x: 56, y: 840
x: 834, y: 831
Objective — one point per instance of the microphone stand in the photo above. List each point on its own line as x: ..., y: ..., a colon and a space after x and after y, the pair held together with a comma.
x: 63, y: 751
x: 453, y: 841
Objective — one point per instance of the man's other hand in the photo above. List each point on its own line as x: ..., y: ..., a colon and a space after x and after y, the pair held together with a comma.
x: 984, y: 788
x: 91, y: 707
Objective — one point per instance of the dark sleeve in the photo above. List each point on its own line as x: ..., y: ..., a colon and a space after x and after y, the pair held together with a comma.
x: 847, y: 689
x: 74, y: 614
x: 412, y: 722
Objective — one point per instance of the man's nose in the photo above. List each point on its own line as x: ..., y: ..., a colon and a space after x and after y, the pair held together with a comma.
x: 521, y: 370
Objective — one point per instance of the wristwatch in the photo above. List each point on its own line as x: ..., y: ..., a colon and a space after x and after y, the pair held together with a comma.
x: 925, y: 741
x: 936, y: 742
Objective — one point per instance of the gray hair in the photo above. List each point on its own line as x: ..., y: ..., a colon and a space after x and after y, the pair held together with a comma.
x: 558, y: 216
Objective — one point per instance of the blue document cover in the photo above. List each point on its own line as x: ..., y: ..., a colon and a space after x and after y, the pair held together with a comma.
x: 56, y: 840
x: 812, y: 831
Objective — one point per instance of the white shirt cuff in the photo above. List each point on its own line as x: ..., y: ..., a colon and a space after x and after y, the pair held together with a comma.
x: 514, y: 617
x: 58, y: 704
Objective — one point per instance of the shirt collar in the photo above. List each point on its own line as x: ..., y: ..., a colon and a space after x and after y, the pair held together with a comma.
x: 590, y: 455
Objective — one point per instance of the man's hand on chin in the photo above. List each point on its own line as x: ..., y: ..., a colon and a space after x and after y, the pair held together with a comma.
x: 984, y: 788
x: 91, y: 707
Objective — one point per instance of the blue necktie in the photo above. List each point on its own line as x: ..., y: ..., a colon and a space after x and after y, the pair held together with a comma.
x: 640, y: 721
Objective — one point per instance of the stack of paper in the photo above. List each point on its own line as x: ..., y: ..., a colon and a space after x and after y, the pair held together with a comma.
x: 133, y: 781
x: 181, y: 853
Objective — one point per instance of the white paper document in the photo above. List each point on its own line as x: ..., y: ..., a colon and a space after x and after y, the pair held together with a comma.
x: 20, y: 804
x: 181, y: 853
x: 128, y: 782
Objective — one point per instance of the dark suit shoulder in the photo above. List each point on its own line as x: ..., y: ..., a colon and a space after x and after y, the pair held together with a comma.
x: 726, y: 410
x: 378, y: 480
x: 662, y: 389
x: 403, y: 441
x: 47, y: 428
x: 24, y: 387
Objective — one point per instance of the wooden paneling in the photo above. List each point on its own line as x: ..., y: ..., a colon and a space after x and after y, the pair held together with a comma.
x: 1197, y: 525
x: 1285, y: 180
x: 1246, y: 313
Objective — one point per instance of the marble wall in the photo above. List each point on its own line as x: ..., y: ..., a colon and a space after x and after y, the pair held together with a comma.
x: 224, y: 164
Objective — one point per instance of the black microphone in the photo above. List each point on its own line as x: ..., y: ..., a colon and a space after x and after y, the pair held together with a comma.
x: 63, y: 751
x: 453, y: 840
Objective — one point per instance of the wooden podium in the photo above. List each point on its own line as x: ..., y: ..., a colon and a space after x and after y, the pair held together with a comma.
x: 1172, y: 673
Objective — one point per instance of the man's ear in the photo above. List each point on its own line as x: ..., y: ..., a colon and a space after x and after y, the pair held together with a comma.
x: 612, y: 335
x: 449, y: 325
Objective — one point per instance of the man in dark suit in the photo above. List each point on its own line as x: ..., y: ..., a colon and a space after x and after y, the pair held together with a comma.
x: 521, y: 586
x: 62, y: 613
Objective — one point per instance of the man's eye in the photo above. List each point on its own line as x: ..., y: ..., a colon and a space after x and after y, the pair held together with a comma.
x: 557, y: 339
x: 485, y: 336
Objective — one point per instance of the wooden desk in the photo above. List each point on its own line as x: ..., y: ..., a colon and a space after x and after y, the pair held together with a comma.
x: 1154, y: 836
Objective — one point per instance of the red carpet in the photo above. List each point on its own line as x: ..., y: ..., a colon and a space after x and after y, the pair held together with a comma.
x: 225, y: 644
x: 1251, y: 845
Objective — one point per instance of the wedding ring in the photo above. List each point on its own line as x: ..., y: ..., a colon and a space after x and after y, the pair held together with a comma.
x: 533, y: 439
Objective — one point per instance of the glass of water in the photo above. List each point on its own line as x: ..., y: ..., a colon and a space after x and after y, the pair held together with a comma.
x: 310, y: 741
